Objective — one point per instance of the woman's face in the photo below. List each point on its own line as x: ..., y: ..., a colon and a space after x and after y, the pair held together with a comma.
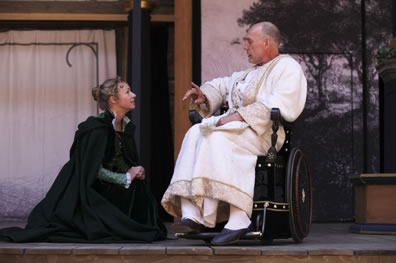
x: 126, y: 98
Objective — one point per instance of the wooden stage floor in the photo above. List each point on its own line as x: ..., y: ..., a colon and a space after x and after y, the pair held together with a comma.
x: 326, y: 243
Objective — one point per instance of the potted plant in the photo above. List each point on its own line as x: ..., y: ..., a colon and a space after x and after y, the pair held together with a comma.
x: 386, y: 58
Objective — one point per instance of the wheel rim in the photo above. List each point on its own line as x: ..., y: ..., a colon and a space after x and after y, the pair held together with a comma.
x: 299, y: 195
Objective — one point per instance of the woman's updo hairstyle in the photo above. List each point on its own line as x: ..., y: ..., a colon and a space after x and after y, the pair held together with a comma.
x: 102, y: 93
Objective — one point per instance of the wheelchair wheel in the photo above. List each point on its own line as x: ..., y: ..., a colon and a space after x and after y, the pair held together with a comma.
x: 299, y: 194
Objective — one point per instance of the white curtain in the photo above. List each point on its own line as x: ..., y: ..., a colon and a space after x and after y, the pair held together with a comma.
x: 42, y: 100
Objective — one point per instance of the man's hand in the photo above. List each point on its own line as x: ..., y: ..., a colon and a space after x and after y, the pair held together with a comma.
x: 195, y: 93
x: 232, y: 117
x: 137, y: 172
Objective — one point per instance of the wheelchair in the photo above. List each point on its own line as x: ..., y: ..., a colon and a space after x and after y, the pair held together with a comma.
x: 282, y: 203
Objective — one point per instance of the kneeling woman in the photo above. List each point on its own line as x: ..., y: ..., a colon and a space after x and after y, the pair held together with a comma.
x: 99, y: 196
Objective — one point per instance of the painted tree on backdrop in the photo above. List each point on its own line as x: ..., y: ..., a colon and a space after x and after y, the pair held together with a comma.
x: 330, y: 27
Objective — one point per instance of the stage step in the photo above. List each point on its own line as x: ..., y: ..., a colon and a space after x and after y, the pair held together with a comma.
x: 326, y: 243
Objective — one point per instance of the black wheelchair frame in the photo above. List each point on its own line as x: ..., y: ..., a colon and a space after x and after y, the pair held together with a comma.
x: 282, y: 203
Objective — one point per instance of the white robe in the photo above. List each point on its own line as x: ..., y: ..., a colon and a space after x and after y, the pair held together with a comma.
x: 219, y: 162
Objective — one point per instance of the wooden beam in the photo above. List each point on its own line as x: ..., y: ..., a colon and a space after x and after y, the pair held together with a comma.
x: 77, y: 17
x: 163, y: 18
x: 183, y: 68
x: 64, y: 17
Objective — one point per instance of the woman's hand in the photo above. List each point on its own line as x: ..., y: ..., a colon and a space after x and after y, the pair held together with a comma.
x: 136, y: 172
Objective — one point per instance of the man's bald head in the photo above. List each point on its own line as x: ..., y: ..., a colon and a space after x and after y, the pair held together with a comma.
x: 261, y: 43
x: 268, y: 29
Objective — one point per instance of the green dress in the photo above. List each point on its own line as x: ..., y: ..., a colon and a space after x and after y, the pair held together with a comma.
x: 80, y: 207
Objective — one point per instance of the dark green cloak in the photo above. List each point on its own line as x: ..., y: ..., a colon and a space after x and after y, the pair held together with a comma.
x: 78, y: 208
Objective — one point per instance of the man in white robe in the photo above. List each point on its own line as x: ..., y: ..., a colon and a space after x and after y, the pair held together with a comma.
x: 214, y: 176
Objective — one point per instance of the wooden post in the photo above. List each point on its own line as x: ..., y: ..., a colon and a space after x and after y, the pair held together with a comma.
x: 140, y: 80
x: 183, y: 68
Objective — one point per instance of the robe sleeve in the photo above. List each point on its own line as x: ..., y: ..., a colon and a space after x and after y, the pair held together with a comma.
x: 113, y: 177
x: 285, y: 88
x: 216, y: 92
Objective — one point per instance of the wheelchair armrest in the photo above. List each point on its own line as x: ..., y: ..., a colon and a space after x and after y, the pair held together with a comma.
x: 276, y: 119
x: 275, y: 114
x: 194, y: 117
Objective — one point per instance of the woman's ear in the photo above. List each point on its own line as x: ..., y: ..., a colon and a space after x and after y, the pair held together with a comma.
x: 112, y: 100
